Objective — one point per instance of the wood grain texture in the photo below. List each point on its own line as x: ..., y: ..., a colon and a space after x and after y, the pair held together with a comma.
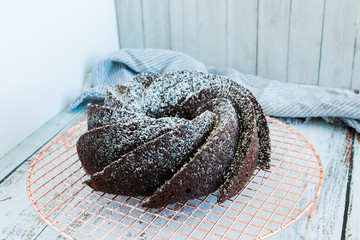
x: 310, y: 42
x: 253, y: 36
x: 242, y: 35
x: 31, y: 144
x: 47, y: 232
x: 22, y: 221
x: 191, y: 27
x: 273, y: 34
x: 184, y: 26
x: 355, y: 80
x: 156, y: 23
x: 176, y: 9
x: 305, y: 41
x: 353, y: 220
x: 338, y: 43
x: 130, y: 23
x: 333, y: 145
x: 212, y: 32
x: 18, y: 218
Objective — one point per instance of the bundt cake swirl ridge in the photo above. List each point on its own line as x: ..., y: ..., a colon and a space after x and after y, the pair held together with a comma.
x: 174, y: 137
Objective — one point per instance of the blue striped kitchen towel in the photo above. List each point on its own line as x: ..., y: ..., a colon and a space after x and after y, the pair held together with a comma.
x: 277, y: 98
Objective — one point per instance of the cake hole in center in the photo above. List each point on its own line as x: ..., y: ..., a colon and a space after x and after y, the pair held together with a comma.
x: 187, y: 191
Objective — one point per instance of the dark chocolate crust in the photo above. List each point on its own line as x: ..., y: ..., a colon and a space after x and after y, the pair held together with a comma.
x: 143, y: 170
x: 205, y: 172
x: 174, y: 137
x: 99, y: 147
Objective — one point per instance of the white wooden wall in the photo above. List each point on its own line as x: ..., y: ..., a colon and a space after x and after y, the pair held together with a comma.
x: 303, y: 41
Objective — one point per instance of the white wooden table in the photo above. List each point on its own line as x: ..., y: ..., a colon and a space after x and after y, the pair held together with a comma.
x: 337, y: 215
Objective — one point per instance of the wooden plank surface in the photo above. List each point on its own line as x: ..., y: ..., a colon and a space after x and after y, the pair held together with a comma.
x: 273, y: 34
x: 310, y: 42
x: 191, y: 27
x: 305, y: 41
x: 212, y: 32
x: 353, y: 214
x: 242, y: 35
x: 19, y: 219
x: 156, y: 23
x: 176, y: 9
x: 333, y: 145
x: 302, y: 41
x: 48, y: 231
x: 184, y: 26
x: 355, y: 81
x: 31, y: 144
x: 339, y: 34
x: 130, y: 23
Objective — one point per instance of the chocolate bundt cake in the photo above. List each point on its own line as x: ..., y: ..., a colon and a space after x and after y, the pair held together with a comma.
x: 173, y: 137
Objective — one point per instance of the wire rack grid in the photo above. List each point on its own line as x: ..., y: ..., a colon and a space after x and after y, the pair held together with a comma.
x: 271, y: 201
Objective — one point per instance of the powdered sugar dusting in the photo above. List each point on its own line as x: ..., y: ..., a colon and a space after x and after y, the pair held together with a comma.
x: 139, y: 172
x: 153, y: 109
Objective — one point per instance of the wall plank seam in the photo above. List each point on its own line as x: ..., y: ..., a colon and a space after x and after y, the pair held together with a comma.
x: 227, y: 33
x: 142, y: 22
x: 117, y: 22
x: 355, y: 48
x: 288, y: 46
x: 299, y: 41
x: 321, y: 43
x: 257, y: 37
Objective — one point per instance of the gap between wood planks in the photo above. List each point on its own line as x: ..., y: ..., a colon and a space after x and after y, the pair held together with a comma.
x: 26, y: 149
x: 29, y: 147
x: 348, y: 188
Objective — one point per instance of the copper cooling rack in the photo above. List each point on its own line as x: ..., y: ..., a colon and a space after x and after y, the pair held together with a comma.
x: 271, y: 201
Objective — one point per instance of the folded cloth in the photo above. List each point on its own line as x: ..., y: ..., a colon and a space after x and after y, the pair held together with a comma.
x: 278, y: 99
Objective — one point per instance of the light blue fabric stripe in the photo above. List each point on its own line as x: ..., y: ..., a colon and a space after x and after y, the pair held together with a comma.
x: 277, y: 98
